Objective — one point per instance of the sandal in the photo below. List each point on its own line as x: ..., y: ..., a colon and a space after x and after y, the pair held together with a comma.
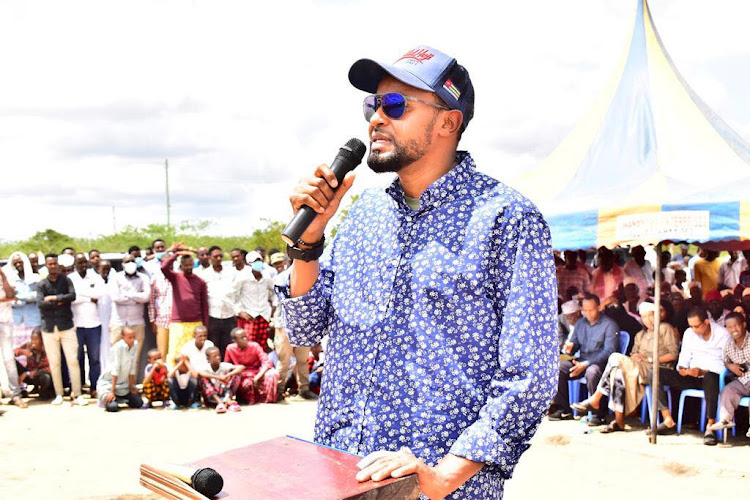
x: 584, y: 406
x: 612, y: 427
x: 221, y: 408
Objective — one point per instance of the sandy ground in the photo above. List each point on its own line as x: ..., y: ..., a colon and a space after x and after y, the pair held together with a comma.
x: 82, y: 452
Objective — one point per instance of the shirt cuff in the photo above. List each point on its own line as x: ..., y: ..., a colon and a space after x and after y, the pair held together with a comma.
x: 305, y: 317
x: 481, y: 443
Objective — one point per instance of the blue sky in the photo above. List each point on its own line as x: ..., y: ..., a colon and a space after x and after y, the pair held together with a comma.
x: 244, y: 98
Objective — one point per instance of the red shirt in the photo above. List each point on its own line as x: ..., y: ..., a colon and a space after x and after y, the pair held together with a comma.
x: 189, y: 295
x: 253, y: 358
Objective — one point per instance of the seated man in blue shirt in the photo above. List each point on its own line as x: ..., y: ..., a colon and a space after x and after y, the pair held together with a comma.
x: 596, y: 338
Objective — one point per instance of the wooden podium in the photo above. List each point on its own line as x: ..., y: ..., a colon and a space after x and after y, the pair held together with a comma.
x: 284, y: 468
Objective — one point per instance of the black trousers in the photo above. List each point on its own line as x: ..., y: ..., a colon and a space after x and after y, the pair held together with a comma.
x: 183, y: 397
x: 132, y: 400
x: 709, y: 383
x: 219, y: 332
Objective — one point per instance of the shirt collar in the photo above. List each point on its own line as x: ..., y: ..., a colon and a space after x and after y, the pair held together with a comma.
x: 445, y: 189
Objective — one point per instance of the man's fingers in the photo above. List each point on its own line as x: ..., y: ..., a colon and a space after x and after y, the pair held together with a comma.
x: 323, y: 186
x: 298, y: 200
x: 326, y: 173
x: 345, y: 185
x: 406, y: 470
x: 373, y: 457
x: 381, y: 469
x: 320, y: 199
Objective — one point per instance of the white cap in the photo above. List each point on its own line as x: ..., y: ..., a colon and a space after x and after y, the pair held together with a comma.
x: 570, y: 307
x: 253, y: 256
x: 66, y: 260
x: 646, y: 307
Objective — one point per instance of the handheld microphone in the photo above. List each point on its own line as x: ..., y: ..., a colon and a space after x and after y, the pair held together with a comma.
x: 350, y: 155
x: 204, y: 480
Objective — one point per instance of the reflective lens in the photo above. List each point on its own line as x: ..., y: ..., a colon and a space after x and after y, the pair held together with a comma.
x: 393, y: 104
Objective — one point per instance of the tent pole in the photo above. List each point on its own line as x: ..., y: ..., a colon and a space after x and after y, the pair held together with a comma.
x: 655, y: 355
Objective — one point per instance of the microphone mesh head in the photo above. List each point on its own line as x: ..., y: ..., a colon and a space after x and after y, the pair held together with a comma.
x: 207, y: 482
x: 357, y: 148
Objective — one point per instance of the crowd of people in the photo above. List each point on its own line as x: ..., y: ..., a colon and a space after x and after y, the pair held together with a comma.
x: 73, y: 325
x: 71, y: 322
x: 702, y: 338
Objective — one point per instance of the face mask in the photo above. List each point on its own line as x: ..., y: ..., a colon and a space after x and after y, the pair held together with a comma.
x: 139, y: 261
x: 257, y: 266
x: 159, y: 255
x: 196, y: 264
x: 130, y: 267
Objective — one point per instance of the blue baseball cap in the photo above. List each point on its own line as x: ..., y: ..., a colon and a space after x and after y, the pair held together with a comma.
x: 424, y: 68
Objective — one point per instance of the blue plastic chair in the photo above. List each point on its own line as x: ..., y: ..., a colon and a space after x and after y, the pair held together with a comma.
x: 646, y: 405
x: 624, y: 341
x: 743, y: 402
x: 698, y: 393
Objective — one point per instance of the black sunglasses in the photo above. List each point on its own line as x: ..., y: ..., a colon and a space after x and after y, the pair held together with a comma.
x: 392, y: 103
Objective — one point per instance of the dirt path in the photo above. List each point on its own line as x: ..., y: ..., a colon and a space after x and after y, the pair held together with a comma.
x: 64, y: 452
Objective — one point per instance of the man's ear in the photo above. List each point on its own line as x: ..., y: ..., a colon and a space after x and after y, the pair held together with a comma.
x: 451, y: 122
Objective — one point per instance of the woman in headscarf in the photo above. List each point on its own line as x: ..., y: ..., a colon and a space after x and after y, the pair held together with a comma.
x: 25, y: 310
x: 624, y: 376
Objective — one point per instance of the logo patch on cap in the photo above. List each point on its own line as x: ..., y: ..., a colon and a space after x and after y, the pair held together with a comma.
x: 417, y: 55
x: 448, y: 85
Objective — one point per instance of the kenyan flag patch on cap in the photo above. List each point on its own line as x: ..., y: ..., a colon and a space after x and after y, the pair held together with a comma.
x: 448, y: 85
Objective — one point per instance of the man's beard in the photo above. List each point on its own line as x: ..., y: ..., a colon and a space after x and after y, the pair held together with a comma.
x: 401, y: 155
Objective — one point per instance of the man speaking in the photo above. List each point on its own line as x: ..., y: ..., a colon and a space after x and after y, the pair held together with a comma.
x: 438, y: 294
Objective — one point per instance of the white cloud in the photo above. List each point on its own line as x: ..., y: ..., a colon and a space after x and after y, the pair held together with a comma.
x: 245, y: 98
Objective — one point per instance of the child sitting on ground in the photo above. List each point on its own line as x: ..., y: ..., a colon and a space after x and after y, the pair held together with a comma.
x: 183, y: 384
x: 219, y: 382
x: 155, y: 386
x: 36, y: 370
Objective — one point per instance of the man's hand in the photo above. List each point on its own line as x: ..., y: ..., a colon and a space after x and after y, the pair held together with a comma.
x: 244, y: 316
x: 689, y: 372
x: 133, y: 390
x: 109, y: 398
x: 434, y: 482
x: 256, y: 381
x: 578, y: 369
x: 638, y: 358
x: 50, y: 298
x: 321, y: 193
x: 736, y: 369
x: 176, y: 246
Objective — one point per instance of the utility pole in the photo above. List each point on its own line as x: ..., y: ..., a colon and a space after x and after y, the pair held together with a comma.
x: 169, y: 215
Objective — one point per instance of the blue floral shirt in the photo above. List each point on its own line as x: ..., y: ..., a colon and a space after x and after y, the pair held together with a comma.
x: 442, y: 325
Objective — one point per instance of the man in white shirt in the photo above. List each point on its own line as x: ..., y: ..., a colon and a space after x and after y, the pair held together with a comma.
x: 698, y: 367
x: 729, y: 271
x: 223, y: 295
x: 640, y: 270
x: 89, y: 288
x: 256, y: 296
x: 238, y: 262
x: 195, y: 350
x: 131, y: 291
